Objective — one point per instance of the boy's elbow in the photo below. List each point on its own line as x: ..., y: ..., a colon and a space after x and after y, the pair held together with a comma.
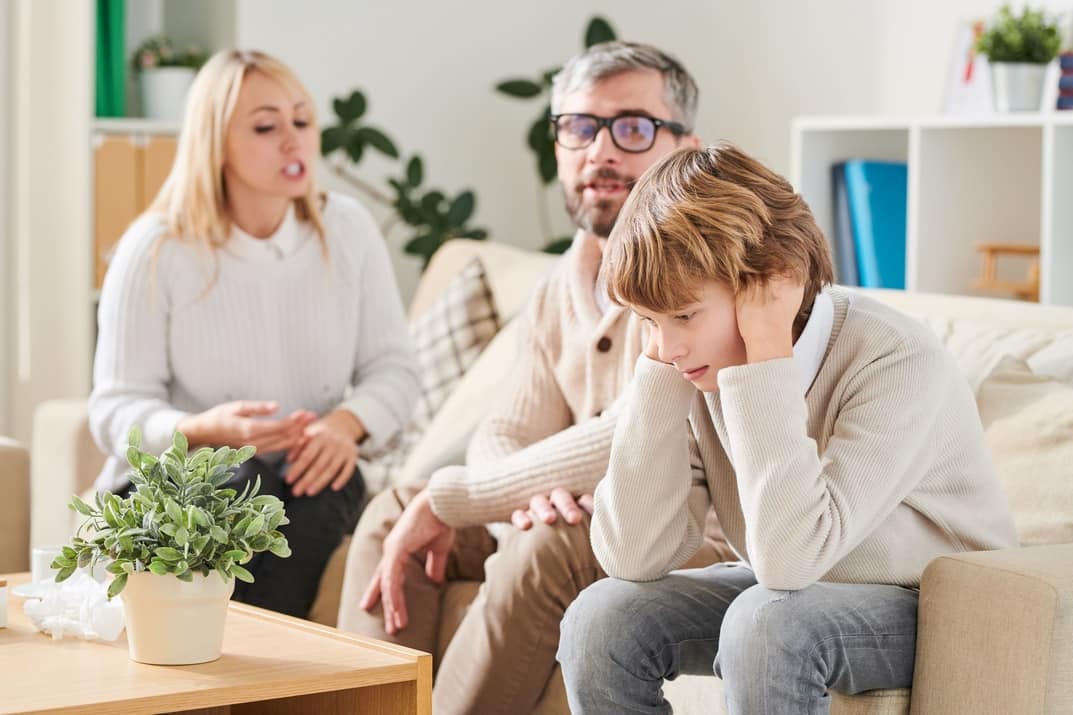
x: 776, y: 576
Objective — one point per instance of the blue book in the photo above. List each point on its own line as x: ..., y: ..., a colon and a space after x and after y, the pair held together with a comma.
x: 845, y: 251
x: 876, y: 194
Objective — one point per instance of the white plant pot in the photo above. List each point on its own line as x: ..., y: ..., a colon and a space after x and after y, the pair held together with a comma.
x: 1018, y: 86
x: 163, y: 92
x: 173, y: 622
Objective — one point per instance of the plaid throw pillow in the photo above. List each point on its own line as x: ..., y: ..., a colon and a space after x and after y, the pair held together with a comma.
x: 447, y: 339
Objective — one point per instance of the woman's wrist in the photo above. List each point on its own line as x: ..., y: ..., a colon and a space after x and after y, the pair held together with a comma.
x: 352, y: 423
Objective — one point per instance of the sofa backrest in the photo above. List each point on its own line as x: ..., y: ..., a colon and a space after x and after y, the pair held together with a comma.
x: 1018, y: 358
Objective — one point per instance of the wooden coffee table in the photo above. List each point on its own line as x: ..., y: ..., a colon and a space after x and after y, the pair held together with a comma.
x: 271, y: 664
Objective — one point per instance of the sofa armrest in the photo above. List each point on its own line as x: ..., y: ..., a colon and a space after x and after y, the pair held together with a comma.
x: 995, y: 633
x: 15, y: 506
x: 64, y: 461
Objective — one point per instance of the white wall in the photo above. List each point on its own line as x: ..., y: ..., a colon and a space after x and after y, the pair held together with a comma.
x: 428, y: 70
x: 6, y: 274
x: 53, y: 104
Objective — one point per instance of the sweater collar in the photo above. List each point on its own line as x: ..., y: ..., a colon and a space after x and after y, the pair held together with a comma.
x: 284, y: 242
x: 811, y: 345
x: 584, y: 259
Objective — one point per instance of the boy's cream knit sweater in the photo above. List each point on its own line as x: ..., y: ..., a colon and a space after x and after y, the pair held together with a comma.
x: 880, y: 467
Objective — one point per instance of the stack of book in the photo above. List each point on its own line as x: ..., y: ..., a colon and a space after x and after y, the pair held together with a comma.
x: 1065, y: 81
x: 869, y: 222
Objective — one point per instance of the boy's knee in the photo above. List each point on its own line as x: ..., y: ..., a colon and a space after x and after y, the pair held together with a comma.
x: 763, y: 623
x: 601, y: 625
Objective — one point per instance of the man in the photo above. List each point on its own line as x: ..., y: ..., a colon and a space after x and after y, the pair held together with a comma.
x: 835, y: 438
x: 537, y: 457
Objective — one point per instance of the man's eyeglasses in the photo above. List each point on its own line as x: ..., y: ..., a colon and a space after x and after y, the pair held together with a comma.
x: 634, y: 133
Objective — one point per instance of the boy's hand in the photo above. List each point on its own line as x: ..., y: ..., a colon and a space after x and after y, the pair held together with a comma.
x: 766, y: 315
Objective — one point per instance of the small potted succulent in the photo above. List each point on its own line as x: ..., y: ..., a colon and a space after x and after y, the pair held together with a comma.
x: 164, y: 75
x: 175, y: 545
x: 1019, y: 48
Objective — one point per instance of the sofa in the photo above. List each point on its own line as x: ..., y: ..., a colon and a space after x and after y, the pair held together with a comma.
x: 995, y: 628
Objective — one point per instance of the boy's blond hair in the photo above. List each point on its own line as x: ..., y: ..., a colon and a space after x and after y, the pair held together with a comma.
x: 712, y: 214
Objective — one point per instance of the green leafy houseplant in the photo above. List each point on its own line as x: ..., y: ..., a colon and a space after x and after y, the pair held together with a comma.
x: 158, y: 51
x: 1032, y: 37
x: 538, y: 137
x: 432, y: 216
x: 179, y: 520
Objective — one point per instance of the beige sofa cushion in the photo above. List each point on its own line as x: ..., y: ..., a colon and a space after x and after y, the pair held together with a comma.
x: 1029, y: 423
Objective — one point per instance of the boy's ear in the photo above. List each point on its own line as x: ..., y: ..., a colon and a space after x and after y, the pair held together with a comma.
x: 691, y: 141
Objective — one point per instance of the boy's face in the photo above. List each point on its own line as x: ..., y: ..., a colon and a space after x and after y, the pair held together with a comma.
x: 699, y: 339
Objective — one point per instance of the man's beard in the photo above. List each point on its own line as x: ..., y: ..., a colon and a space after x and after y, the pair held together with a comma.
x: 597, y: 217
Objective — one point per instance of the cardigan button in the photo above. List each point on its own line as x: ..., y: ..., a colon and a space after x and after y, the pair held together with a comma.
x: 604, y: 344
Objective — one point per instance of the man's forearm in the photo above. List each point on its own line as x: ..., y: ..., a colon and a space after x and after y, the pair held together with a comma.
x: 574, y: 459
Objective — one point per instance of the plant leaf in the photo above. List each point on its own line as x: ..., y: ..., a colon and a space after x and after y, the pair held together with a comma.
x: 379, y: 141
x: 331, y: 139
x: 415, y: 172
x: 559, y: 245
x: 117, y: 585
x: 255, y: 526
x: 351, y: 108
x: 241, y: 574
x: 599, y: 30
x: 520, y: 88
x: 461, y: 209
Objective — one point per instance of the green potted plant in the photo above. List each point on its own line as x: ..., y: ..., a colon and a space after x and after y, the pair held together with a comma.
x: 1019, y: 48
x: 164, y: 75
x: 175, y: 545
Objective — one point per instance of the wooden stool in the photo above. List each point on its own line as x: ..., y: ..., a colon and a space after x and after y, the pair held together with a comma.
x: 1026, y: 290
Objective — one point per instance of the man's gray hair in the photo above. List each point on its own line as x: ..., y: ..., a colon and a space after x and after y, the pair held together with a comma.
x: 611, y: 58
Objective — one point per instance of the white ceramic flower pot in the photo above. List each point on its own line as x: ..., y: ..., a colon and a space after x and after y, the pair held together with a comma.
x: 173, y: 622
x: 164, y: 91
x: 1018, y: 86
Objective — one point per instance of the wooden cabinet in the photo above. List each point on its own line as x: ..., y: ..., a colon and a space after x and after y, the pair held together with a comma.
x: 128, y: 171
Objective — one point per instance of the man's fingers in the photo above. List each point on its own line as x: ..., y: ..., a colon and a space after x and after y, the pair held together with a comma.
x: 521, y: 520
x: 542, y: 508
x: 564, y: 502
x: 585, y: 502
x: 436, y: 566
x: 372, y: 592
x: 395, y: 617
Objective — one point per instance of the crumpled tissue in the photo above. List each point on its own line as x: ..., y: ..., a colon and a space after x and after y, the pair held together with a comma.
x: 77, y: 607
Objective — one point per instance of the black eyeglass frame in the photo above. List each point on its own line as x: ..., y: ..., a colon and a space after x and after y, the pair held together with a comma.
x: 676, y: 128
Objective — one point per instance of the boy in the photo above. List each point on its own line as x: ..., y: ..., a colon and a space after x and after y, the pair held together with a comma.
x: 835, y: 438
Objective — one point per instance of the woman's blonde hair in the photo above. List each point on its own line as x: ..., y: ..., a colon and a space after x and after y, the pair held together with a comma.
x: 712, y: 214
x: 193, y: 199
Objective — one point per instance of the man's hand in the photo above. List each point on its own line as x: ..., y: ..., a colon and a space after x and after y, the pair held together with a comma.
x: 766, y: 314
x: 326, y: 453
x: 236, y: 424
x: 417, y: 531
x: 548, y: 509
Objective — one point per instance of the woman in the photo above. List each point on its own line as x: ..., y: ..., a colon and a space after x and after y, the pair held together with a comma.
x: 246, y: 308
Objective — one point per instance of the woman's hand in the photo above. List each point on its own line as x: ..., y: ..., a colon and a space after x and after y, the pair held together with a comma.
x: 236, y: 424
x: 326, y: 453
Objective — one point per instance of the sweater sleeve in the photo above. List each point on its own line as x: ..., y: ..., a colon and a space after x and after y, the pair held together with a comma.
x: 805, y: 511
x: 574, y: 458
x: 651, y: 507
x: 535, y: 407
x: 385, y: 380
x: 131, y: 373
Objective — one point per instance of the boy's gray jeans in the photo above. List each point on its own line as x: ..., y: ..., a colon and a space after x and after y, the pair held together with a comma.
x: 776, y: 651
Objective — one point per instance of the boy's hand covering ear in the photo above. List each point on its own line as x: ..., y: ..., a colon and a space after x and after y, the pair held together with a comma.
x: 766, y: 314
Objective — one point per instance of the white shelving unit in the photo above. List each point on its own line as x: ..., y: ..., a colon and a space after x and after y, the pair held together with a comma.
x: 1003, y: 179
